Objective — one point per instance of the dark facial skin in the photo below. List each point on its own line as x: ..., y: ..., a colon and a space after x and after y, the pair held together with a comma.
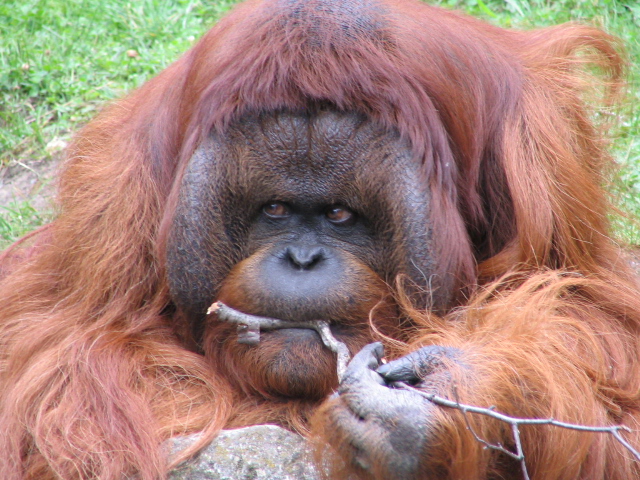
x: 299, y: 217
x: 305, y: 265
x: 312, y: 204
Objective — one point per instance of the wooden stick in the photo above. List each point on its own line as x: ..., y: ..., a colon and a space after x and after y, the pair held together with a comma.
x: 249, y: 330
x: 515, y: 422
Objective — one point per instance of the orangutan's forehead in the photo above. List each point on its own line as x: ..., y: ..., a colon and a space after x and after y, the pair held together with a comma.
x: 324, y: 140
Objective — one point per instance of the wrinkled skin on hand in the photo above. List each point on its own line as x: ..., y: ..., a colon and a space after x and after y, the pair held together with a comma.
x: 382, y: 428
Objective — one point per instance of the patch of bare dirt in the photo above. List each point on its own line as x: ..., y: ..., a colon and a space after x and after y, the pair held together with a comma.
x: 30, y: 180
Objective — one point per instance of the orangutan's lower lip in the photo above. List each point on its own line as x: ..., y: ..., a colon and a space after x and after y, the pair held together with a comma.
x: 249, y: 330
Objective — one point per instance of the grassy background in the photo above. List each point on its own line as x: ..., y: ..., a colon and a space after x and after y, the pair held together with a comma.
x: 61, y: 60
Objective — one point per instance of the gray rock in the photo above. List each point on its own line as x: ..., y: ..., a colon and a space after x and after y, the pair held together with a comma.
x: 263, y: 452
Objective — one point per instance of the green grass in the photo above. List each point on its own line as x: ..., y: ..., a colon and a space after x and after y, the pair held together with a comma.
x: 17, y: 219
x: 61, y: 60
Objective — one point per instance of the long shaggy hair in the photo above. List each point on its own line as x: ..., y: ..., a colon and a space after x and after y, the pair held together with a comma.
x: 95, y: 371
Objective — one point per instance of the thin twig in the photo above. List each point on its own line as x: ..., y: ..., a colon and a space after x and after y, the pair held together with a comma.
x: 493, y: 446
x: 249, y: 327
x: 515, y: 422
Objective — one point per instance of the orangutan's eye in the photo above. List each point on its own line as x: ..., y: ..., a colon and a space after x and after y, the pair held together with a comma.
x: 339, y: 215
x: 276, y: 210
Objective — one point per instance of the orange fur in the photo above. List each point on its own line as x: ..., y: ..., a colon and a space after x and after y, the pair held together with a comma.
x: 95, y: 368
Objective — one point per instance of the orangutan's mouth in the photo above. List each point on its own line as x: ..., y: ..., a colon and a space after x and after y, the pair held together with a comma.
x: 249, y: 330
